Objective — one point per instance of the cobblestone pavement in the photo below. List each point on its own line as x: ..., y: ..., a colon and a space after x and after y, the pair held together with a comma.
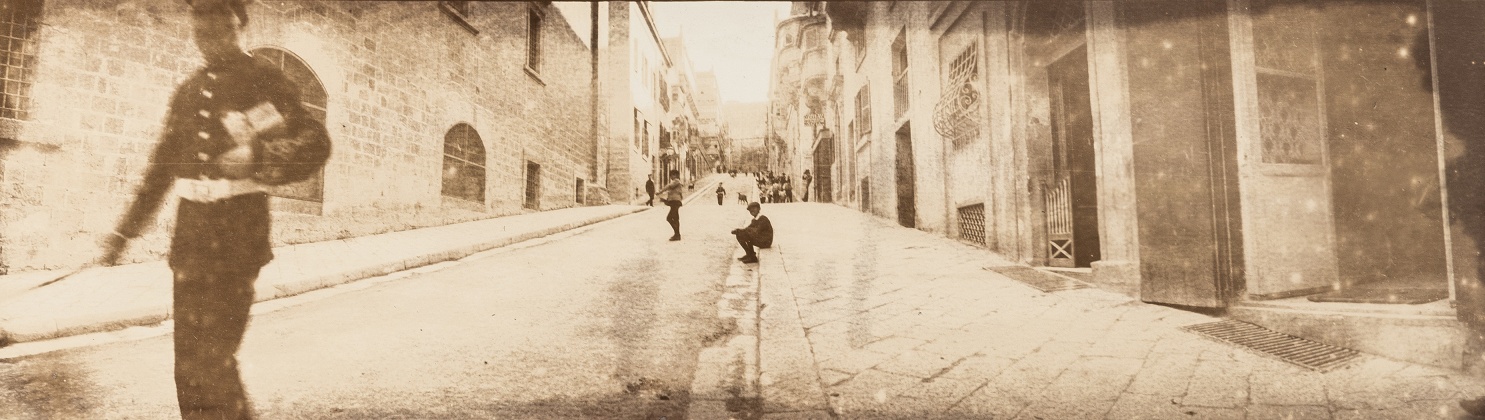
x: 898, y: 323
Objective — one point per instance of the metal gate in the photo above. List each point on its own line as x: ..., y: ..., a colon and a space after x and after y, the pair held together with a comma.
x: 1059, y: 223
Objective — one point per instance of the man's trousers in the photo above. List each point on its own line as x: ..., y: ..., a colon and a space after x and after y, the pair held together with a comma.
x: 748, y: 243
x: 211, y: 315
x: 674, y: 217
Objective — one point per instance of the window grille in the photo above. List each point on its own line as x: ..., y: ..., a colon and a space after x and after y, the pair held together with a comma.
x: 19, y: 22
x: 972, y: 223
x: 957, y: 114
x: 900, y: 75
x: 863, y: 110
x: 533, y: 185
x: 533, y: 40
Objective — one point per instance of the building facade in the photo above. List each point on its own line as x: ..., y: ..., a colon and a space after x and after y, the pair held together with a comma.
x: 1267, y: 158
x: 450, y: 110
x: 802, y: 120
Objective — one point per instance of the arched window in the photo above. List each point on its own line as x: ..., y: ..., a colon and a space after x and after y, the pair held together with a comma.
x: 312, y: 95
x: 463, y: 164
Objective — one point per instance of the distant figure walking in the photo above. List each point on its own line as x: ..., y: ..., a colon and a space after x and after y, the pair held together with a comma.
x: 758, y: 233
x: 650, y: 189
x: 671, y: 195
x: 721, y: 192
x: 807, y: 178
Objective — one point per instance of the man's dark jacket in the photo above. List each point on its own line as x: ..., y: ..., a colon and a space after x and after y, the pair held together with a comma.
x: 760, y: 231
x: 233, y: 232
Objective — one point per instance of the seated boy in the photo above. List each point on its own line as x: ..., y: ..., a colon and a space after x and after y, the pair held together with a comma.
x: 758, y: 233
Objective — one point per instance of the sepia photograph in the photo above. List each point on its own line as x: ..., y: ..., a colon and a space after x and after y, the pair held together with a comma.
x: 742, y: 210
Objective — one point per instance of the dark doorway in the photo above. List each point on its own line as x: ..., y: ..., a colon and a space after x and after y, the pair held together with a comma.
x: 533, y: 185
x: 907, y: 213
x: 1072, y: 150
x: 821, y: 184
x: 577, y: 195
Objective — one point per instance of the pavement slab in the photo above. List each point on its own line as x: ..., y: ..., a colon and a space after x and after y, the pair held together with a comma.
x: 906, y: 324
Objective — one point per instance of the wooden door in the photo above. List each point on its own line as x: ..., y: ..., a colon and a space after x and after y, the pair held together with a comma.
x: 1180, y: 93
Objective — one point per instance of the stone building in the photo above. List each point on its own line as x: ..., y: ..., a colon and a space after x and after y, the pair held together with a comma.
x: 1266, y: 158
x: 439, y: 112
x: 714, y: 141
x: 801, y: 112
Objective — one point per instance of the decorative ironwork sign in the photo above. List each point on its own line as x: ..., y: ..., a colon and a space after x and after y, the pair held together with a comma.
x: 813, y: 119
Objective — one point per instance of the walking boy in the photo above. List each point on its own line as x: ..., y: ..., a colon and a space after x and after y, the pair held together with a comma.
x: 671, y: 195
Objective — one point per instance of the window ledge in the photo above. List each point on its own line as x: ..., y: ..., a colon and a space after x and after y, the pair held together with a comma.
x: 534, y: 75
x: 458, y: 18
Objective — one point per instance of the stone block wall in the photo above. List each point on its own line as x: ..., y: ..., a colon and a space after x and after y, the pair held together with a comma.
x: 398, y: 76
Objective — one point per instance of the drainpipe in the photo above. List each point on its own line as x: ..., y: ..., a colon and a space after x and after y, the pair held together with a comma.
x: 593, y: 89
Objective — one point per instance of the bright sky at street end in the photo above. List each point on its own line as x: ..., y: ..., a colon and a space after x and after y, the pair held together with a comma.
x: 734, y: 39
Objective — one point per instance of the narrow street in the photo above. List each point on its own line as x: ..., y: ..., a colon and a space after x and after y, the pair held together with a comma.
x: 603, y: 324
x: 857, y: 319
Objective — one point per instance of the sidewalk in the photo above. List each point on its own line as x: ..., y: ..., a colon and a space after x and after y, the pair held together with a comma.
x: 851, y: 317
x: 111, y: 298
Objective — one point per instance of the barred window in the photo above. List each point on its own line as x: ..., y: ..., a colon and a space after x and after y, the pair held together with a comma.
x: 312, y: 95
x: 900, y: 96
x: 464, y: 164
x: 965, y: 67
x: 533, y: 40
x: 19, y: 22
x: 863, y: 110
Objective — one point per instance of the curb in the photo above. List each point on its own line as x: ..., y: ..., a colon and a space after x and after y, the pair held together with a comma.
x: 53, y: 328
x: 726, y: 382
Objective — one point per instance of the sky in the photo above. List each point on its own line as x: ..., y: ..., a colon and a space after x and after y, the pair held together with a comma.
x: 734, y: 39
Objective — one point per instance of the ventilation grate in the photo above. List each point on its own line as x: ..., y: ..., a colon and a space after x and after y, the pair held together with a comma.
x: 972, y: 223
x: 1041, y: 280
x: 1298, y: 351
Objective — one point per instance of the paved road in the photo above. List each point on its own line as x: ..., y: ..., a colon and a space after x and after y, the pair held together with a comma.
x: 604, y: 324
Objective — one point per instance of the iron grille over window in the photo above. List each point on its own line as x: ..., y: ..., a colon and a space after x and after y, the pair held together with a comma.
x: 863, y: 110
x: 18, y: 26
x: 533, y: 40
x: 899, y: 75
x: 957, y: 115
x: 464, y: 164
x: 312, y: 95
x: 972, y: 223
x: 533, y: 185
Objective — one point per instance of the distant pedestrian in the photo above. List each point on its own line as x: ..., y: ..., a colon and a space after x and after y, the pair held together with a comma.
x: 650, y: 189
x: 233, y: 127
x: 807, y: 178
x: 758, y: 233
x: 788, y: 192
x: 721, y: 192
x: 671, y: 195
